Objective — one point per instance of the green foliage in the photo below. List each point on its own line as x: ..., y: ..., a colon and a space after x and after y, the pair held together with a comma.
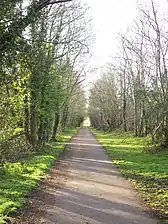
x: 37, y: 73
x: 147, y: 171
x: 18, y: 179
x: 14, y: 148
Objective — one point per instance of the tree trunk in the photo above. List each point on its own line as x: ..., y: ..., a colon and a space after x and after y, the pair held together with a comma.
x: 33, y: 119
x: 124, y: 114
x: 64, y: 117
x: 141, y: 123
x: 135, y: 118
x: 41, y: 129
x: 26, y: 118
x: 124, y: 100
x: 55, y: 127
x: 166, y: 130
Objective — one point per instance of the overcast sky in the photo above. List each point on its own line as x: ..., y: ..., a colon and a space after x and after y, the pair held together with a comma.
x: 109, y: 18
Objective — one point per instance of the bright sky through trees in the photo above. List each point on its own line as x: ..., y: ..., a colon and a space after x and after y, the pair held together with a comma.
x: 109, y: 18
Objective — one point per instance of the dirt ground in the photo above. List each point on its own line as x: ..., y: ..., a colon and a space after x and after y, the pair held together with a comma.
x: 85, y: 188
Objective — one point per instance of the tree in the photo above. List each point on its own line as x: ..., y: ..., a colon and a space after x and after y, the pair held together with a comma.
x: 40, y: 70
x: 140, y: 70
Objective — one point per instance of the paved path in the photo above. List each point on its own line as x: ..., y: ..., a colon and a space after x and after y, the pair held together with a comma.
x: 86, y: 188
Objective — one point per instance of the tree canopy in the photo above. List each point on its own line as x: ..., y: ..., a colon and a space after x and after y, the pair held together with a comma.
x: 41, y: 45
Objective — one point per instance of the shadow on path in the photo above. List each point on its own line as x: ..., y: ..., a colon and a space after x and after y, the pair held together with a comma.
x: 85, y: 188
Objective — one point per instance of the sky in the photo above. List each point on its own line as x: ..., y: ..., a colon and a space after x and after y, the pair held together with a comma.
x: 109, y: 18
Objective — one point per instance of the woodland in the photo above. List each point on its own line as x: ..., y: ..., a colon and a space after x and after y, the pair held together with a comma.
x: 44, y: 46
x: 132, y: 92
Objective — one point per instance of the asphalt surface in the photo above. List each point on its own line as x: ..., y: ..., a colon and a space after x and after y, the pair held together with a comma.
x: 86, y: 188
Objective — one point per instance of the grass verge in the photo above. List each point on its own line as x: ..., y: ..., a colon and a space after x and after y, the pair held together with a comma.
x: 18, y: 179
x: 148, y: 172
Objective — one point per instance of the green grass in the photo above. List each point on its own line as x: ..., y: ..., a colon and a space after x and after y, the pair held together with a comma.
x: 17, y: 180
x: 147, y: 171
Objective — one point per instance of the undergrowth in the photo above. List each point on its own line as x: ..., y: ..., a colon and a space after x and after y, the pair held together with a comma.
x: 18, y: 179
